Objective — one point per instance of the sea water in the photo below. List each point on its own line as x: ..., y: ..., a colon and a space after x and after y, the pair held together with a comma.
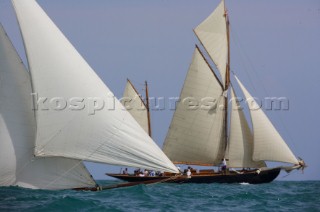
x: 275, y: 196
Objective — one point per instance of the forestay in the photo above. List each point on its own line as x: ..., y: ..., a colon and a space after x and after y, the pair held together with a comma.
x: 212, y: 33
x: 83, y: 128
x: 18, y: 166
x: 196, y: 133
x: 268, y: 143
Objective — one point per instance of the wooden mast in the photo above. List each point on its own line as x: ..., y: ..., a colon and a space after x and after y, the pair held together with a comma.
x: 145, y: 103
x: 148, y: 109
x: 227, y: 79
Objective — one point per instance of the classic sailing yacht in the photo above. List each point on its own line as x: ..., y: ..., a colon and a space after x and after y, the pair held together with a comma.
x: 200, y: 137
x: 199, y: 133
x: 44, y: 147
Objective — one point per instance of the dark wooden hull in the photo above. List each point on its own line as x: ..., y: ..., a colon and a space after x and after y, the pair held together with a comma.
x: 252, y: 177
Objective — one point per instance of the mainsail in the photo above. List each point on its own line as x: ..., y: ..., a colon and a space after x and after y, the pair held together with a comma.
x: 240, y: 145
x: 196, y: 133
x: 76, y: 121
x: 135, y: 105
x: 212, y: 33
x: 268, y: 143
x: 18, y: 166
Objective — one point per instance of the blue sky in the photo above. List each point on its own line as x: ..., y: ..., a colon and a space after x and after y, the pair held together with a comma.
x: 275, y: 50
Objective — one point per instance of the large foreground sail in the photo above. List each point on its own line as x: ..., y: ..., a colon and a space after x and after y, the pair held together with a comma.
x: 69, y: 125
x: 18, y: 166
x: 196, y: 134
x: 268, y: 143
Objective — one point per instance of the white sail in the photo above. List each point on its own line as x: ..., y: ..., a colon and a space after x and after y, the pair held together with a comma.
x: 268, y: 143
x: 18, y: 166
x: 73, y: 122
x: 197, y: 135
x: 240, y: 145
x: 133, y: 103
x: 212, y: 33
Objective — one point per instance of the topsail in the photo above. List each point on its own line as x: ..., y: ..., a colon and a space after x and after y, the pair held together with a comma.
x: 212, y: 33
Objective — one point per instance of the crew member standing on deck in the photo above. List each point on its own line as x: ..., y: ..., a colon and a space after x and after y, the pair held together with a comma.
x: 224, y: 166
x: 189, y: 172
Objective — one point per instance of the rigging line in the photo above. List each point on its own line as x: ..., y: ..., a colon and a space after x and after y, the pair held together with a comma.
x: 66, y: 172
x: 139, y: 95
x: 80, y: 161
x: 141, y: 85
x: 41, y: 147
x: 286, y: 175
x: 247, y: 58
x: 164, y: 180
x: 236, y: 40
x: 287, y: 131
x: 251, y: 66
x: 232, y: 73
x: 31, y: 160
